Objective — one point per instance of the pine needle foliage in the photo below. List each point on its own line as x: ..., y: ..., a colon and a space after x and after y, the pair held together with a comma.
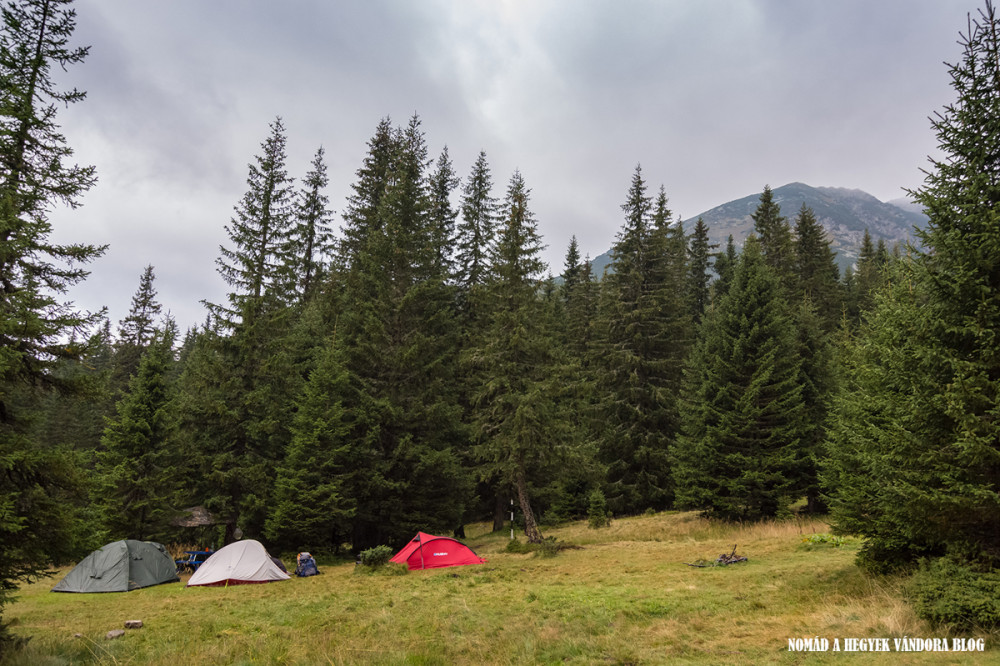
x: 742, y: 416
x: 39, y: 487
x: 645, y: 328
x: 915, y: 456
x: 521, y: 429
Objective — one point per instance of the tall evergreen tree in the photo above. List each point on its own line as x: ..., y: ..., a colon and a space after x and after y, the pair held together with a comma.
x: 670, y: 275
x: 818, y: 311
x: 257, y: 266
x: 311, y: 509
x: 137, y: 329
x: 39, y: 488
x: 254, y: 377
x: 816, y: 272
x: 699, y: 270
x: 775, y: 237
x: 725, y: 267
x: 475, y: 236
x: 361, y: 220
x: 571, y: 274
x: 477, y: 228
x: 521, y: 429
x: 740, y: 450
x: 580, y: 297
x: 867, y: 277
x: 399, y: 338
x: 136, y: 466
x: 641, y: 312
x: 914, y: 460
x: 442, y: 214
x: 311, y: 241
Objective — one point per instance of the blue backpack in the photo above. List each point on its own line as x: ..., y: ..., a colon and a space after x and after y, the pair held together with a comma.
x: 306, y: 566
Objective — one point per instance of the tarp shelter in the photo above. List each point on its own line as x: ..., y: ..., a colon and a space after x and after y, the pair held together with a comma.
x: 427, y: 551
x: 239, y: 563
x: 121, y: 566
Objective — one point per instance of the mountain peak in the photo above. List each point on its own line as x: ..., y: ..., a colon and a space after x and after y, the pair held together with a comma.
x: 844, y: 213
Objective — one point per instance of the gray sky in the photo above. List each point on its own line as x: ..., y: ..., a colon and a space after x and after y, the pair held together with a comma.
x: 714, y: 98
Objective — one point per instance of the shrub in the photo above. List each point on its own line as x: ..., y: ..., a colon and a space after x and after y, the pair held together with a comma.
x: 548, y: 548
x: 515, y: 546
x: 375, y: 557
x: 821, y: 539
x: 597, y: 512
x: 946, y: 592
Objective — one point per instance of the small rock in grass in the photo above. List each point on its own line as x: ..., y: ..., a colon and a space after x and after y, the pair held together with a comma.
x: 114, y: 633
x: 133, y: 624
x: 77, y: 635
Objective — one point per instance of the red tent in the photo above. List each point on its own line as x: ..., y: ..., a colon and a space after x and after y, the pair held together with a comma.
x: 427, y: 551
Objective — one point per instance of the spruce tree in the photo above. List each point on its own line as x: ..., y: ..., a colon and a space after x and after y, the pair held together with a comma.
x: 643, y: 317
x: 254, y: 377
x: 311, y: 508
x: 699, y: 270
x: 257, y: 265
x: 580, y: 297
x: 571, y: 275
x: 775, y: 237
x: 137, y: 467
x: 361, y: 220
x: 816, y: 272
x: 725, y: 267
x: 914, y: 457
x: 400, y: 342
x: 40, y: 488
x: 310, y: 239
x: 520, y: 424
x: 818, y: 310
x: 867, y: 278
x: 475, y: 233
x: 739, y: 453
x: 442, y: 214
x: 136, y: 330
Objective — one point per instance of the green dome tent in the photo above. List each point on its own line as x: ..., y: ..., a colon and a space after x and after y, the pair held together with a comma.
x: 121, y: 566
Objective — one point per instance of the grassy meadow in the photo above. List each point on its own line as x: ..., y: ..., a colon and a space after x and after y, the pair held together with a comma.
x: 625, y: 596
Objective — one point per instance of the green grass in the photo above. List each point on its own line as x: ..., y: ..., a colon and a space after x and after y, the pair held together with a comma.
x: 625, y: 597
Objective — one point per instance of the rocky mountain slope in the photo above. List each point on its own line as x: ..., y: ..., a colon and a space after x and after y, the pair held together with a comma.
x: 844, y: 213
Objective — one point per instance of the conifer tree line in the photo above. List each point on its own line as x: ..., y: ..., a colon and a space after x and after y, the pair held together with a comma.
x: 417, y: 366
x: 420, y: 367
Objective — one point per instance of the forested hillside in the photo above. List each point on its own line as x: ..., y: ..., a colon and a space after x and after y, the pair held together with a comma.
x: 414, y: 365
x: 844, y: 214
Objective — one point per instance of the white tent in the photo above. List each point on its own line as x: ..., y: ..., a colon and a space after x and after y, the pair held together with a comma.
x: 237, y: 564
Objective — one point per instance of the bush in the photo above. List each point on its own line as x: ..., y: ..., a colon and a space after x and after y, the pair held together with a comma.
x: 375, y: 557
x: 548, y: 548
x: 946, y: 592
x: 823, y: 539
x: 597, y: 512
x: 515, y: 546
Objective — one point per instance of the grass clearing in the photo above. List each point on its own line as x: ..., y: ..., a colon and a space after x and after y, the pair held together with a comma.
x: 625, y: 597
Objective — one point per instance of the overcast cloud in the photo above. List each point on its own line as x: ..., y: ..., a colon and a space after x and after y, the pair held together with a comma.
x: 714, y: 98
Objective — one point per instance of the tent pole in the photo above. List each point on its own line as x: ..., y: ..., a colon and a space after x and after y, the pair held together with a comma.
x: 420, y: 546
